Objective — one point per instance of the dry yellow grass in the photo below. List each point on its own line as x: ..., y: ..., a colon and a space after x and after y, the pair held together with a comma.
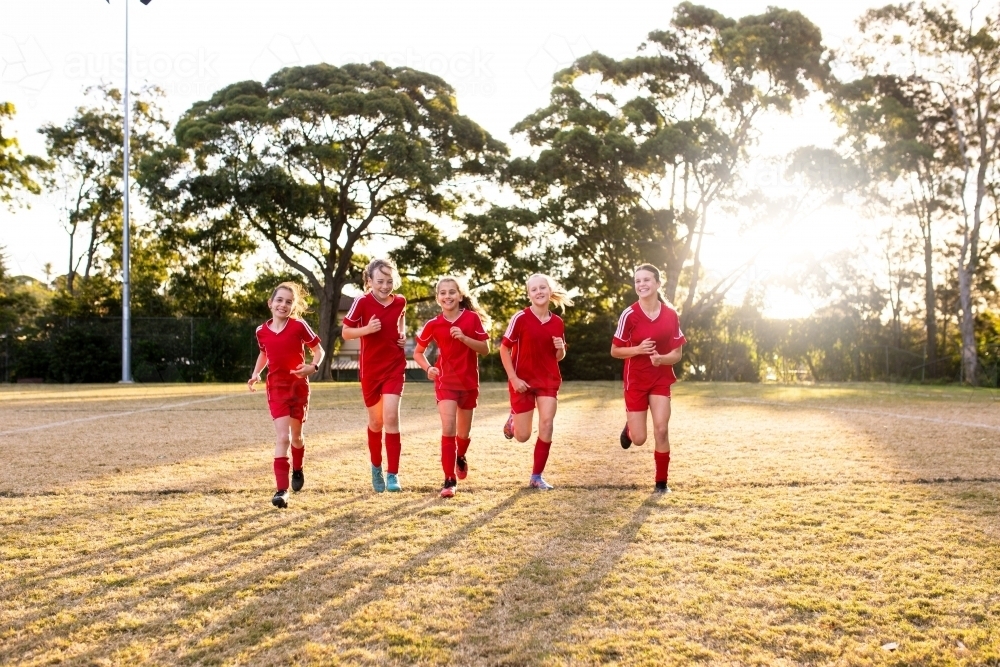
x: 809, y: 525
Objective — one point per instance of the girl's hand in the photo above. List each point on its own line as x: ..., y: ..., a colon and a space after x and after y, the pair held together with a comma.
x: 252, y: 381
x: 374, y: 324
x: 660, y: 359
x: 401, y: 342
x: 520, y: 386
x: 433, y: 372
x: 457, y: 334
x: 559, y: 343
x: 303, y: 370
x: 647, y: 346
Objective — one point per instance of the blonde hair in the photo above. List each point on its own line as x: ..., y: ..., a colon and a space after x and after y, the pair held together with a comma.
x: 468, y: 301
x: 381, y: 264
x: 656, y: 273
x: 299, y: 306
x: 557, y: 293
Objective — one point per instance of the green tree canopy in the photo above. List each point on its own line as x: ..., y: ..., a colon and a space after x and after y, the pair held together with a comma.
x: 320, y: 159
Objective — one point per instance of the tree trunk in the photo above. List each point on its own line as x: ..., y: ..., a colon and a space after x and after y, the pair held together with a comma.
x: 930, y: 304
x: 329, y: 327
x: 967, y: 327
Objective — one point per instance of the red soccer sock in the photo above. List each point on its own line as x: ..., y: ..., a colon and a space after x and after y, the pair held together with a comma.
x: 662, y: 464
x: 375, y: 447
x: 541, y: 456
x: 393, y: 449
x: 281, y: 472
x: 297, y: 454
x: 463, y: 445
x: 448, y: 456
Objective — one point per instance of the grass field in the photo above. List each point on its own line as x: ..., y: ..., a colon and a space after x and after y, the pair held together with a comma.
x: 808, y: 525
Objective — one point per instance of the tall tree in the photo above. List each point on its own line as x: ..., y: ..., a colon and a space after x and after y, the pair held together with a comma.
x: 16, y: 169
x: 958, y: 65
x: 320, y: 159
x: 86, y: 154
x: 632, y: 154
x: 902, y: 133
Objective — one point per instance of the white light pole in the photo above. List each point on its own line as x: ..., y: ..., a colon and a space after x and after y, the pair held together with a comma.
x: 126, y: 271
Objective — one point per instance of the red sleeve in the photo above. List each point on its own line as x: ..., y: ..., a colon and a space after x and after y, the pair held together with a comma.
x: 678, y: 337
x: 308, y: 336
x: 477, y: 330
x: 256, y: 334
x: 426, y: 334
x: 623, y: 334
x: 513, y: 332
x: 356, y: 314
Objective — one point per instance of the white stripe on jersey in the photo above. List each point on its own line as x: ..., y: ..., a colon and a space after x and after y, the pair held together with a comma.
x: 309, y: 330
x: 354, y: 305
x: 621, y: 322
x: 510, y: 327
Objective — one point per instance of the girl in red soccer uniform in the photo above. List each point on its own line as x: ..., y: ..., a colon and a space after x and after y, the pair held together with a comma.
x: 460, y: 335
x: 282, y: 340
x: 532, y: 347
x: 650, y: 341
x: 377, y: 318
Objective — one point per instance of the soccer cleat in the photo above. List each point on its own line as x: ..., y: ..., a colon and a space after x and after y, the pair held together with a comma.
x: 280, y: 498
x: 461, y: 467
x: 624, y: 438
x: 392, y: 483
x: 298, y: 480
x: 538, y: 483
x: 448, y: 490
x: 508, y: 428
x: 661, y: 487
x: 378, y: 483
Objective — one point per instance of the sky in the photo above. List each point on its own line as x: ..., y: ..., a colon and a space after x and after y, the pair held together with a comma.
x: 500, y: 57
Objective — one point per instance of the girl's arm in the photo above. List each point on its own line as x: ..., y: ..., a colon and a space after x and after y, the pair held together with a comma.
x: 560, y: 344
x: 478, y: 346
x: 520, y: 386
x: 317, y: 358
x: 647, y: 347
x: 421, y: 359
x: 350, y: 333
x: 401, y: 328
x: 668, y: 359
x: 257, y: 368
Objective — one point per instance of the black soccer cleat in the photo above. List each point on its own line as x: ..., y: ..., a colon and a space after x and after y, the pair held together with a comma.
x: 624, y: 438
x: 298, y: 480
x: 280, y: 498
x: 461, y: 467
x: 661, y: 487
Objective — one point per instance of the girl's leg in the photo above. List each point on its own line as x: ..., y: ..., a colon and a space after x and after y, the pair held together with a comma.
x: 298, y: 450
x: 659, y: 407
x: 636, y: 427
x: 393, y: 448
x: 522, y: 425
x: 375, y: 433
x: 449, y: 448
x: 463, y: 428
x: 546, y: 406
x: 282, y: 439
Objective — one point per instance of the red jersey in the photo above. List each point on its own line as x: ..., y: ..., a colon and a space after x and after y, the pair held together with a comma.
x: 459, y: 363
x: 381, y: 355
x: 634, y: 326
x: 532, y: 350
x: 285, y: 349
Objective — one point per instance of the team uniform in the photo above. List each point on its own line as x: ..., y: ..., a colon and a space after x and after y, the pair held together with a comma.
x: 458, y: 379
x: 382, y: 366
x: 641, y: 378
x: 533, y: 355
x: 287, y: 394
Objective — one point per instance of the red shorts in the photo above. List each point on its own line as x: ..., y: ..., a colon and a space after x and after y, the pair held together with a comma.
x: 637, y: 400
x: 467, y: 400
x: 526, y: 402
x: 288, y: 398
x: 373, y: 390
